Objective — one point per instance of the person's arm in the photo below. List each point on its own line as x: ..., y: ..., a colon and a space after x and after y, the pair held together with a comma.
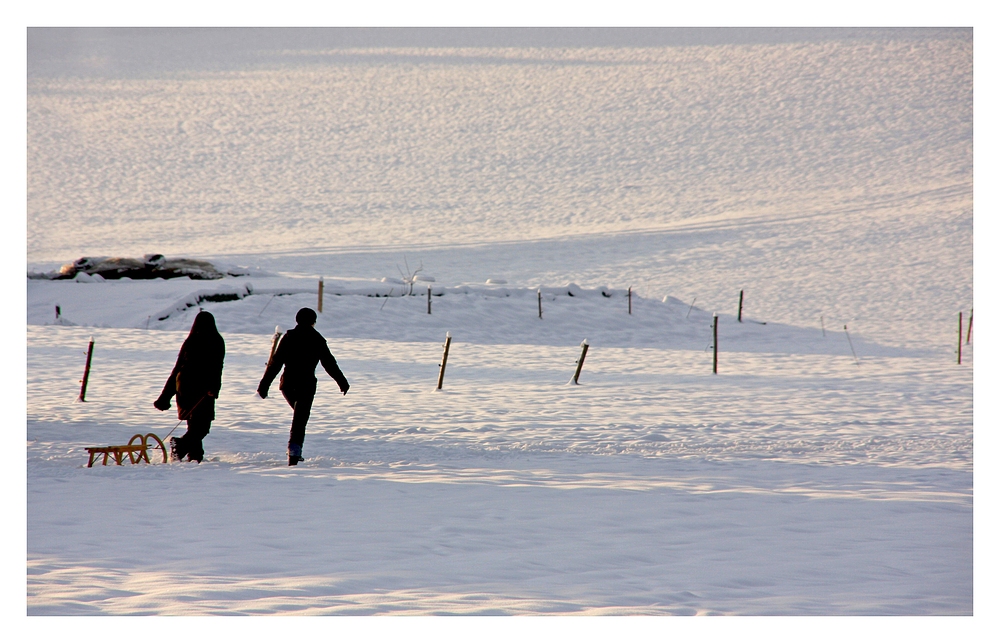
x: 170, y: 388
x: 217, y: 380
x: 329, y: 363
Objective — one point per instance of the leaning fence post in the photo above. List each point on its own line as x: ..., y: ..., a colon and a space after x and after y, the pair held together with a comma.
x: 274, y: 344
x: 851, y: 344
x: 319, y: 304
x: 968, y: 335
x: 444, y: 359
x: 715, y: 344
x: 86, y: 372
x: 739, y: 316
x: 960, y: 337
x: 579, y: 362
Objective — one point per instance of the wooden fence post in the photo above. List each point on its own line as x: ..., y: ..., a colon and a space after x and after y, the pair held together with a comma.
x: 274, y: 344
x: 428, y: 300
x: 851, y: 344
x: 715, y: 344
x: 86, y: 372
x: 739, y: 316
x: 960, y: 338
x: 630, y: 300
x: 579, y: 362
x: 319, y: 304
x: 539, y: 303
x: 444, y: 360
x: 968, y: 336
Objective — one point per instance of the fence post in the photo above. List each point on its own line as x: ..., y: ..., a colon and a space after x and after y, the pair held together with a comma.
x: 968, y: 335
x: 856, y: 360
x: 428, y: 300
x: 274, y: 344
x: 579, y: 362
x: 960, y: 338
x: 319, y: 303
x: 444, y: 359
x: 630, y: 300
x: 739, y: 316
x: 86, y: 372
x: 715, y: 344
x: 539, y: 303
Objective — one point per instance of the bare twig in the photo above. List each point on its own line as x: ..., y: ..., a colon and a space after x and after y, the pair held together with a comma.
x: 266, y: 305
x: 409, y: 277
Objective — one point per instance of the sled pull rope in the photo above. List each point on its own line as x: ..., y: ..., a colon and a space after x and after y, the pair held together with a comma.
x: 187, y: 417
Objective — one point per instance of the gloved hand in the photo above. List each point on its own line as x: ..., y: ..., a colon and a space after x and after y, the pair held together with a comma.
x: 162, y: 403
x: 344, y: 387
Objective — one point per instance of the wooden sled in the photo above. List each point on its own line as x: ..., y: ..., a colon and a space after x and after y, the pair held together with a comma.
x: 136, y: 451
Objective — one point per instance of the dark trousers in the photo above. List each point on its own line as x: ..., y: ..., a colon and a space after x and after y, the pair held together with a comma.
x: 301, y: 402
x: 190, y: 444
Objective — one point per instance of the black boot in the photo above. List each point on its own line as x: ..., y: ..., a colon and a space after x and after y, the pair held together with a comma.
x: 294, y: 454
x: 176, y: 452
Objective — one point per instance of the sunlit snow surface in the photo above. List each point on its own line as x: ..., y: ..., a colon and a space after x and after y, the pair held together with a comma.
x: 793, y: 484
x: 829, y: 180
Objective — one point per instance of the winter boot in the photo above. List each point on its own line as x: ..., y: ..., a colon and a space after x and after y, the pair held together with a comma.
x: 175, y: 453
x: 294, y: 454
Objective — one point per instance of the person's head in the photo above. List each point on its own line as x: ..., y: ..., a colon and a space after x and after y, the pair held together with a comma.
x: 305, y: 317
x: 204, y: 322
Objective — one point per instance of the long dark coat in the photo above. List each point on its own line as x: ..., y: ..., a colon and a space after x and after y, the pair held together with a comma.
x: 299, y: 351
x: 198, y: 371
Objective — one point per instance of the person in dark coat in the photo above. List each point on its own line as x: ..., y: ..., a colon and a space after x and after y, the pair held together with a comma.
x: 196, y: 381
x: 299, y: 351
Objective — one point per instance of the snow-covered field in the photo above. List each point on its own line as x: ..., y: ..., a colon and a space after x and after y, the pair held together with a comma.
x: 817, y: 473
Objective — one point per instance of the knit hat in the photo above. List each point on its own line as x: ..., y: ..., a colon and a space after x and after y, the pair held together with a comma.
x: 305, y: 317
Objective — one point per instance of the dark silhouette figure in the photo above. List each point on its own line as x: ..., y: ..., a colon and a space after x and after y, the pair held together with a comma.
x: 196, y: 381
x: 299, y: 351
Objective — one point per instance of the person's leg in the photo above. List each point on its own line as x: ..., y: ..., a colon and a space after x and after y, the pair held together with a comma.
x: 300, y: 417
x: 301, y: 403
x: 197, y: 430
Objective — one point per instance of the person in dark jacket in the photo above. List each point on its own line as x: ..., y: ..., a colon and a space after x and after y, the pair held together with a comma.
x: 299, y: 351
x: 196, y: 381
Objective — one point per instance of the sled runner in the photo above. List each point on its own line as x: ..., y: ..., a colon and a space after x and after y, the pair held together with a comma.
x: 136, y: 451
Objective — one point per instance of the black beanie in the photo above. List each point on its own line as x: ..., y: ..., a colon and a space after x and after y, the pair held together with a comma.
x: 305, y: 317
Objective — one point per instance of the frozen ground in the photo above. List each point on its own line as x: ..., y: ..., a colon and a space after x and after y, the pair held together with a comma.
x: 831, y: 180
x: 794, y: 485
